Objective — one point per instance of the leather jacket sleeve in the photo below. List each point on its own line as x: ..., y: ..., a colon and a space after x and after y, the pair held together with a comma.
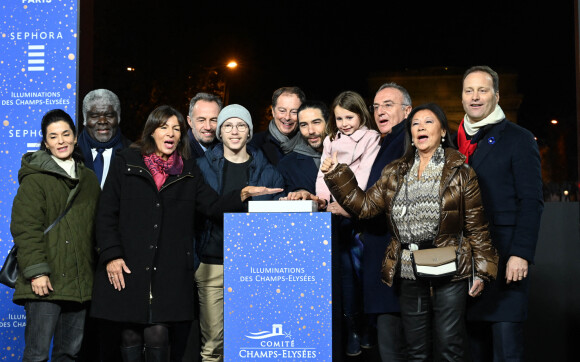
x: 344, y: 187
x: 475, y: 230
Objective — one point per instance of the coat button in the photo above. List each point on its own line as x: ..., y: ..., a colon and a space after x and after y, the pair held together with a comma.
x: 67, y: 242
x: 147, y: 268
x: 157, y: 205
x: 151, y: 246
x: 155, y: 226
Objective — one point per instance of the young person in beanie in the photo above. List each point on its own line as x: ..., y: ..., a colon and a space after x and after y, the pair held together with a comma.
x: 230, y: 165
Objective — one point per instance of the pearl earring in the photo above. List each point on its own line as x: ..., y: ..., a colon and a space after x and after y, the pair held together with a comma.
x: 442, y: 139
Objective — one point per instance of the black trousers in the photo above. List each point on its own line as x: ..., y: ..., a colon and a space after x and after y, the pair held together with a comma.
x: 433, y: 316
x: 390, y: 337
x: 496, y: 341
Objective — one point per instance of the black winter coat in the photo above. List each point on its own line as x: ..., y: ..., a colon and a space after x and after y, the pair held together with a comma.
x: 508, y: 167
x: 153, y: 232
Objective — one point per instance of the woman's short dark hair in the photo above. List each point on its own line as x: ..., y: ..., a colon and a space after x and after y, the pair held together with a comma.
x: 157, y: 118
x: 441, y: 117
x: 355, y: 103
x: 53, y: 116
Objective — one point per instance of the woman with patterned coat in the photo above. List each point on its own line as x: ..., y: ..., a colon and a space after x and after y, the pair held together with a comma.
x: 431, y: 199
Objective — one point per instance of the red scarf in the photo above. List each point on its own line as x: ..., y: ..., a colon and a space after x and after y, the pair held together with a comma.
x: 161, y: 169
x: 467, y: 147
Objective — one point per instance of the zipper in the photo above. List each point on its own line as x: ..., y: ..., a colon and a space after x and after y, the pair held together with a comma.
x: 399, y: 185
x: 166, y: 185
x: 141, y: 168
x: 174, y: 181
x: 78, y: 270
x: 441, y: 191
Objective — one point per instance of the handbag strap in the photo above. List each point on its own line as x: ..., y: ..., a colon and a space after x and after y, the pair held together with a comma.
x: 64, y: 212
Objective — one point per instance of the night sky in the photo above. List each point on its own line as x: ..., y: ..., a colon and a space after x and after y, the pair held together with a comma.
x: 325, y: 48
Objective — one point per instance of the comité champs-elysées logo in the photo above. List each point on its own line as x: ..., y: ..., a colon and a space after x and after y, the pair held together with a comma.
x: 275, y: 344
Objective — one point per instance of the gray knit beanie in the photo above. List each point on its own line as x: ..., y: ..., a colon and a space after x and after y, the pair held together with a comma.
x: 234, y: 111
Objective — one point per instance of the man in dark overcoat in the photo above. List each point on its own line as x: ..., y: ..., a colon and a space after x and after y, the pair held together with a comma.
x: 391, y: 106
x: 506, y: 159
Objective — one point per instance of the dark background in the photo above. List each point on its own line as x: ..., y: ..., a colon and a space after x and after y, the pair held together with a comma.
x: 324, y: 48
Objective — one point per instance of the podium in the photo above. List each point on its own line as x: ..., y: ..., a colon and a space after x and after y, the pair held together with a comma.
x: 277, y: 286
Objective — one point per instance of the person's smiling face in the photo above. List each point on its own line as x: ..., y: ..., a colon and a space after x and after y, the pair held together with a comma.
x: 478, y: 97
x: 285, y: 113
x: 347, y: 122
x: 102, y: 122
x: 60, y: 140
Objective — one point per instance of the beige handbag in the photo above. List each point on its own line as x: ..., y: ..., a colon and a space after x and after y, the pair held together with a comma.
x: 434, y: 262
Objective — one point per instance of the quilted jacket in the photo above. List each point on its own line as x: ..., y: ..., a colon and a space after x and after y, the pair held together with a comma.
x: 66, y: 252
x: 461, y: 213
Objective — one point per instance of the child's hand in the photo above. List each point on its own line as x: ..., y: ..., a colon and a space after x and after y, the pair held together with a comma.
x: 329, y: 163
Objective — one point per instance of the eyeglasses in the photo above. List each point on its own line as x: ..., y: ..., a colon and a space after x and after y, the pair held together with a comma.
x: 241, y: 127
x: 387, y: 105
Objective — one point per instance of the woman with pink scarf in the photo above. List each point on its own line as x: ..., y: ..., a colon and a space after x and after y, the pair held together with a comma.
x: 145, y: 230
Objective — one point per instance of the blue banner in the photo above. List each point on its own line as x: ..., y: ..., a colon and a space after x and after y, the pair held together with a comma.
x: 277, y: 287
x: 38, y: 72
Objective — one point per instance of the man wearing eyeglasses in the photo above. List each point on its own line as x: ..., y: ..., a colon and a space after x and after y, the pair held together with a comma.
x: 391, y: 106
x: 282, y: 136
x: 230, y: 165
x: 202, y: 118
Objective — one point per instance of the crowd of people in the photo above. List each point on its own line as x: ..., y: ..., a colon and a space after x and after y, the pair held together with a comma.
x: 120, y: 243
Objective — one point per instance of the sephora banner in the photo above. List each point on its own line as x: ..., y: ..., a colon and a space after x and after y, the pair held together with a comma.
x: 38, y: 72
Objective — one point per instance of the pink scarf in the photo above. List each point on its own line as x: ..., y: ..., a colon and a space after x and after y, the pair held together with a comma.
x: 161, y: 169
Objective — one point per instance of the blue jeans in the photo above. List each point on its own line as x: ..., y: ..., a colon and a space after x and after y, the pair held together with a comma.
x: 44, y: 320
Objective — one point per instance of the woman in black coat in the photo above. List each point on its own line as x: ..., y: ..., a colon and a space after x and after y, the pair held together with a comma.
x: 145, y: 230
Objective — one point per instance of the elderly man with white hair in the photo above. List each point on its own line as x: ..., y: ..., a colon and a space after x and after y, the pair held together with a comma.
x: 101, y: 137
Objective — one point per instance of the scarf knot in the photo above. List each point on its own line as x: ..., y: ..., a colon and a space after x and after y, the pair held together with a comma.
x: 468, y: 146
x: 160, y: 169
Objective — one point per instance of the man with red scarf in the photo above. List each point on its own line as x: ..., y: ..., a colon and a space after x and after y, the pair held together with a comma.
x: 506, y: 159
